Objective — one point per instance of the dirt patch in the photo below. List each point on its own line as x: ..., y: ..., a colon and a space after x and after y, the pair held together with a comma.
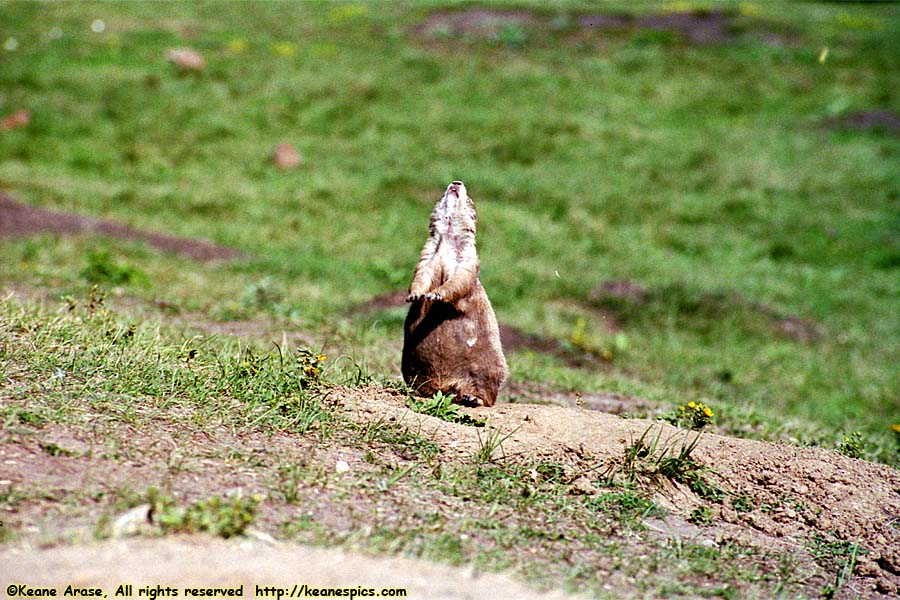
x: 514, y: 339
x: 798, y: 329
x: 698, y: 27
x: 624, y: 289
x: 474, y: 21
x: 606, y: 402
x: 394, y: 299
x: 626, y: 302
x: 200, y: 562
x: 883, y: 121
x: 22, y: 220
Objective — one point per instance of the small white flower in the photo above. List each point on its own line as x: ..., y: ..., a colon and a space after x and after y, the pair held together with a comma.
x: 341, y: 467
x: 56, y: 33
x: 98, y: 26
x: 10, y: 44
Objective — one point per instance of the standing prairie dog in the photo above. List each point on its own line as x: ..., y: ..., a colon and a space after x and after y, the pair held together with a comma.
x: 451, y: 340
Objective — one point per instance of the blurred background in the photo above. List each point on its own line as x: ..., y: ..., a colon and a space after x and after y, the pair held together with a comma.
x: 678, y: 201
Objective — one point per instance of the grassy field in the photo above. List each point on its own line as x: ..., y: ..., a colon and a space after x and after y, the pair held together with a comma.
x: 703, y: 173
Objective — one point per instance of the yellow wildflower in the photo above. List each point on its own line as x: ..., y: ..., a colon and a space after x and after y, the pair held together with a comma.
x: 748, y: 9
x: 238, y: 45
x: 284, y: 48
x: 348, y: 11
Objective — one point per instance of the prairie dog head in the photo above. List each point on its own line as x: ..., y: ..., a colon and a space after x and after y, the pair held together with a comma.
x: 454, y: 214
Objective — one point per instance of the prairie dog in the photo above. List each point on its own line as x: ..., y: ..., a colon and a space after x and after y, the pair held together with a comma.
x: 451, y: 340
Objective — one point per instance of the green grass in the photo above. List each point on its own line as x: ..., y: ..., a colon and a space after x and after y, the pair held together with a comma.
x: 442, y: 407
x: 700, y: 172
x: 52, y: 362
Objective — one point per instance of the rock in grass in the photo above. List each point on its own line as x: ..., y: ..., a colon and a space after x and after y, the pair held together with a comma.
x: 132, y: 522
x: 186, y: 59
x: 20, y: 118
x: 286, y: 156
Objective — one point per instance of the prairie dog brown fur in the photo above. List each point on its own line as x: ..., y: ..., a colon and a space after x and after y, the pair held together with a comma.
x: 451, y: 340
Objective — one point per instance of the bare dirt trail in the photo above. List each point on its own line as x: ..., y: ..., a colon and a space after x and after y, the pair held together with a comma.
x: 205, y: 562
x: 22, y: 220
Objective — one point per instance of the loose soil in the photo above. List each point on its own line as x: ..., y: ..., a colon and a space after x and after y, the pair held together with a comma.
x: 795, y: 492
x: 22, y: 220
x: 62, y: 473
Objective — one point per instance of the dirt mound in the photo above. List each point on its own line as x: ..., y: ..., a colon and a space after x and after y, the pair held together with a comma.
x: 778, y: 495
x: 803, y: 502
x: 607, y: 402
x: 22, y: 220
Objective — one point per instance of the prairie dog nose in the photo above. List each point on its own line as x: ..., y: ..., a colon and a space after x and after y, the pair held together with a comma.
x: 456, y: 187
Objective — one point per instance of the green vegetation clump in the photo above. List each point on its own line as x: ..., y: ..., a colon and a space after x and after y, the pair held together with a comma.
x: 650, y: 460
x: 629, y: 505
x: 221, y: 516
x: 693, y: 415
x: 852, y: 445
x: 102, y: 269
x: 441, y: 406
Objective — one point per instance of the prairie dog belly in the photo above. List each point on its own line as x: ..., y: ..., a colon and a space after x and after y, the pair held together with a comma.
x: 451, y: 337
x: 447, y: 262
